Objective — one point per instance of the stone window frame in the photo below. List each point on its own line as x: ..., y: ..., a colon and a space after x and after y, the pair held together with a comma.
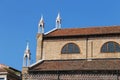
x: 75, y: 49
x: 115, y: 47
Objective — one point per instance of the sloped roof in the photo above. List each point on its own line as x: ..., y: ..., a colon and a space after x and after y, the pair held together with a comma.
x: 4, y: 69
x: 84, y: 31
x: 65, y: 65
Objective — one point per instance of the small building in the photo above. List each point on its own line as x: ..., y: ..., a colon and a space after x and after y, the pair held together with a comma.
x: 9, y: 73
x: 91, y: 53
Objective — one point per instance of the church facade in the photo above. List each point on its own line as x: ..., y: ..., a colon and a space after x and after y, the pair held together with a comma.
x: 91, y: 53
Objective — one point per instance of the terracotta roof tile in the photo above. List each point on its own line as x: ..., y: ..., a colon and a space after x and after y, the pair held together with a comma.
x: 53, y: 65
x: 9, y: 70
x: 3, y: 68
x: 84, y: 31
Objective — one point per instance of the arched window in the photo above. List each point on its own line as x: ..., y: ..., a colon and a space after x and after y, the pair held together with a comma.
x: 70, y: 48
x: 110, y: 47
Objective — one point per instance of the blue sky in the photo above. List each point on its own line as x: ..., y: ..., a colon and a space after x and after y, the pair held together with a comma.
x: 19, y: 20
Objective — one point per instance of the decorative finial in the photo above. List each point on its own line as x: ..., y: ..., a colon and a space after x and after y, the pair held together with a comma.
x: 27, y: 56
x: 58, y: 21
x: 27, y: 47
x: 41, y: 25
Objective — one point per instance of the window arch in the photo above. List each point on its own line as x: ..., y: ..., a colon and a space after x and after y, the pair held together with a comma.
x: 110, y: 47
x: 70, y: 48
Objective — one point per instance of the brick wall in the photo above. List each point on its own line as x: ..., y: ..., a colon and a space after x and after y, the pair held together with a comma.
x: 88, y: 49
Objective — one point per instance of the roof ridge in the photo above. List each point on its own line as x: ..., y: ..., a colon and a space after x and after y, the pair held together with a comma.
x: 50, y: 31
x: 92, y: 27
x: 39, y: 61
x: 101, y: 30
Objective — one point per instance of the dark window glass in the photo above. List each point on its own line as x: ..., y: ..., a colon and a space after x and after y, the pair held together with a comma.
x: 110, y: 47
x: 70, y: 48
x: 117, y: 48
x: 76, y: 50
x: 104, y: 48
x: 64, y: 49
x: 2, y: 79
